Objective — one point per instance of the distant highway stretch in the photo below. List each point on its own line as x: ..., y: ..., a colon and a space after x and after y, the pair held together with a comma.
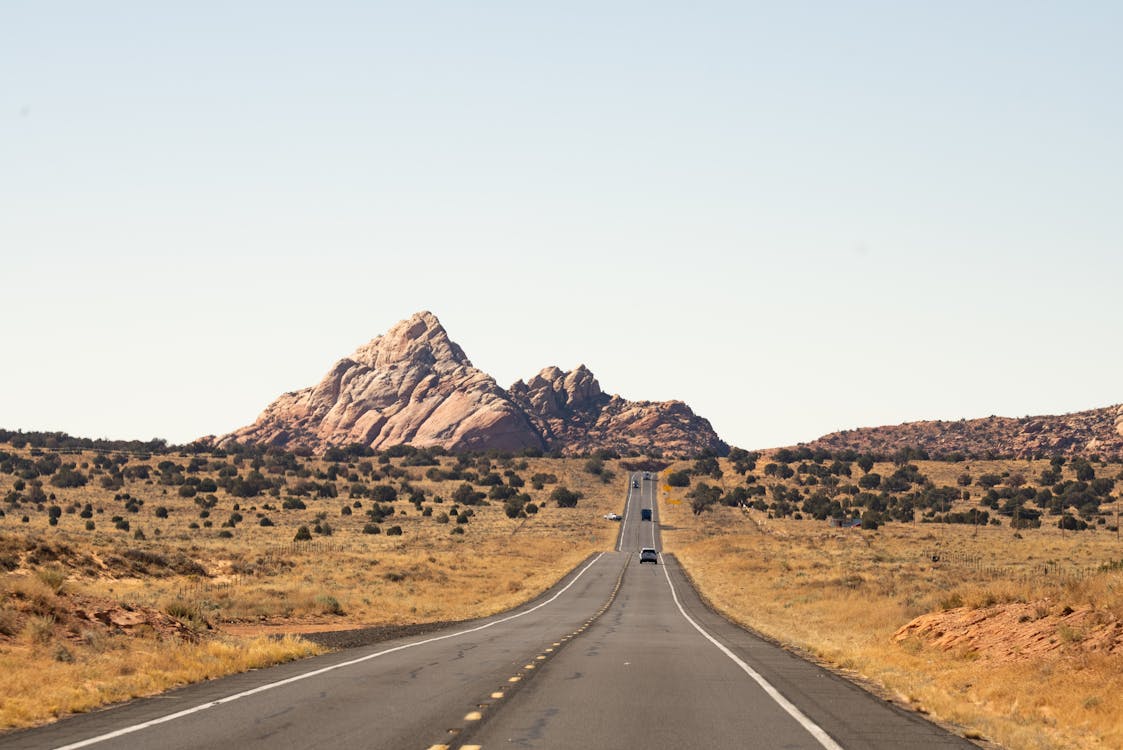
x: 617, y: 655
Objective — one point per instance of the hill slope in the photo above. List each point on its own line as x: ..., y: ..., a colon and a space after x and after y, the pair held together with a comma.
x: 1086, y: 432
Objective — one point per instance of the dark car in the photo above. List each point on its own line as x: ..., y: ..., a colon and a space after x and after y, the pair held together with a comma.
x: 647, y: 475
x: 635, y: 484
x: 647, y: 554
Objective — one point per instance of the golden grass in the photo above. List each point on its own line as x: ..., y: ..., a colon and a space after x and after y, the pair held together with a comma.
x: 841, y: 594
x: 40, y: 683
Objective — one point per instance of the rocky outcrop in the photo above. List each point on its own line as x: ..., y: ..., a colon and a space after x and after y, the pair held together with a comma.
x: 414, y: 386
x: 574, y: 415
x: 1086, y: 432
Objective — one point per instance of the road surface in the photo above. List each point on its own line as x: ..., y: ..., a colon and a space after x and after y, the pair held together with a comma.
x: 617, y: 655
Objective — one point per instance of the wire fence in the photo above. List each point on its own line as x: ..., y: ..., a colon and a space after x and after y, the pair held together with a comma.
x: 1029, y: 572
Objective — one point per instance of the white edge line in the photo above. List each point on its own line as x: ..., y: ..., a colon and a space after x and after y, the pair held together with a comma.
x: 313, y: 673
x: 624, y: 523
x: 814, y: 729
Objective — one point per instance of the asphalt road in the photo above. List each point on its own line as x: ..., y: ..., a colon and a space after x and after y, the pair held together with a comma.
x: 617, y: 655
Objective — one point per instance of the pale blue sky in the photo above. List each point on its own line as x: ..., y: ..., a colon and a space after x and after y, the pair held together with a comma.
x: 797, y: 217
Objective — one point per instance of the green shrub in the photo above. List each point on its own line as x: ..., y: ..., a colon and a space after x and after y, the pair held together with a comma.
x: 678, y: 479
x: 564, y: 497
x: 302, y: 534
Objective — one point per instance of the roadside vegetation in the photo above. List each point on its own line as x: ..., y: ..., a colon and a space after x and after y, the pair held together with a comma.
x: 988, y: 594
x: 126, y: 569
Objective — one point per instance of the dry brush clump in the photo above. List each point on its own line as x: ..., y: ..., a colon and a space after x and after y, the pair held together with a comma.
x: 1012, y: 633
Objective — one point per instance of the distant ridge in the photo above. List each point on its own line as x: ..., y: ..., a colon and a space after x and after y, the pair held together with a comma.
x: 1084, y: 433
x: 414, y: 385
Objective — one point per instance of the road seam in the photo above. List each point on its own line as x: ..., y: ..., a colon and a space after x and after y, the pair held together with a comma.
x: 316, y: 672
x: 812, y: 728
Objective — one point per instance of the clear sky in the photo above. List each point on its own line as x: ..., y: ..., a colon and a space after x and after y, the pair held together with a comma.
x: 795, y: 216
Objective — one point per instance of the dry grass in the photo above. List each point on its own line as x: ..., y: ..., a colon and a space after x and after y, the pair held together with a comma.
x: 841, y: 594
x: 41, y: 683
x: 257, y: 580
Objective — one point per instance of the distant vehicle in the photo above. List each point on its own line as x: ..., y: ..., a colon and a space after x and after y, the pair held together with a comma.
x: 647, y: 475
x: 645, y: 514
x: 635, y: 484
x: 612, y: 517
x: 648, y: 554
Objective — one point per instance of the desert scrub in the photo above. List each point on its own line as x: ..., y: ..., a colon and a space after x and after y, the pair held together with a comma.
x: 329, y: 605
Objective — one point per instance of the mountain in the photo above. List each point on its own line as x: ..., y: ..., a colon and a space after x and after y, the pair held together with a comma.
x: 414, y: 385
x: 1086, y: 432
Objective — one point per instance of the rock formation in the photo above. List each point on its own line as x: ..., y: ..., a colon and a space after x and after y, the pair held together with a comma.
x: 1086, y: 432
x: 414, y: 386
x: 574, y: 415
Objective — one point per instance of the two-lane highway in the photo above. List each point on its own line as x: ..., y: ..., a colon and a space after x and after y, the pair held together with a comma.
x: 618, y: 655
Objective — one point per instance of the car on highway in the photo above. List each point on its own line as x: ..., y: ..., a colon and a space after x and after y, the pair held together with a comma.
x: 648, y: 554
x: 635, y: 484
x: 647, y: 475
x: 645, y: 514
x: 612, y: 516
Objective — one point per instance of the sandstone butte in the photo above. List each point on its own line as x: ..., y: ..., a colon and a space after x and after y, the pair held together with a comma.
x: 413, y: 385
x: 1096, y: 431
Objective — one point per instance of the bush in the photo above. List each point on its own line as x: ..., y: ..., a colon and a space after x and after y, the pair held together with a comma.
x: 870, y: 481
x: 302, y: 534
x: 68, y: 476
x: 383, y: 493
x: 678, y: 479
x: 466, y: 495
x: 265, y: 521
x: 457, y: 530
x: 372, y: 528
x: 394, y: 531
x: 225, y: 534
x: 329, y: 605
x: 564, y: 497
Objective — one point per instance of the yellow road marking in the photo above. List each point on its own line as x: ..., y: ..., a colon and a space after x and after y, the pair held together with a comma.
x: 470, y: 747
x: 473, y: 716
x: 438, y: 747
x: 497, y: 694
x: 550, y: 649
x: 516, y: 678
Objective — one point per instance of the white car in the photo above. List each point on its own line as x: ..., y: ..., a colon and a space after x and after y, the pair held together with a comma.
x: 612, y: 517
